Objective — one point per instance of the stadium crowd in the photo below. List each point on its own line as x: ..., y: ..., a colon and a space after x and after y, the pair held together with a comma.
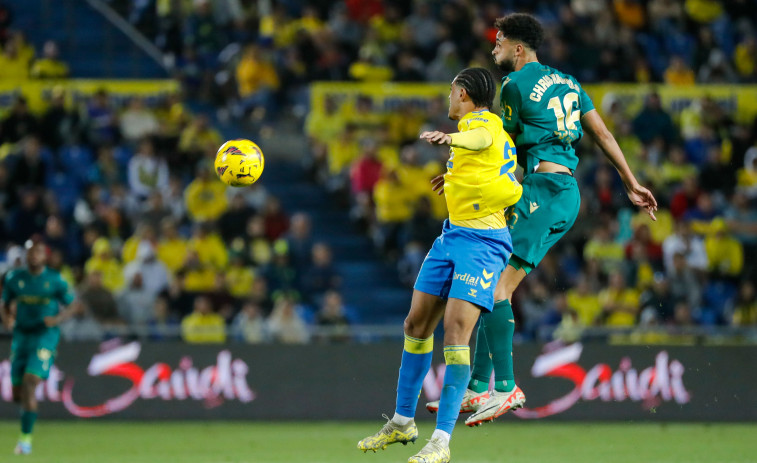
x: 257, y: 56
x: 123, y: 195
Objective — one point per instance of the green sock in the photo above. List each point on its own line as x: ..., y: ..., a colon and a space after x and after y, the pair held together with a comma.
x: 482, y: 362
x: 25, y: 438
x: 500, y: 326
x: 27, y: 422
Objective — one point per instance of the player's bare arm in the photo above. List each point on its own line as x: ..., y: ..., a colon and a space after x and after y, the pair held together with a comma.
x: 6, y: 315
x: 75, y: 308
x: 638, y: 195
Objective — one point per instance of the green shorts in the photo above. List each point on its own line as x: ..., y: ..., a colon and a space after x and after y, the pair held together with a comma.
x: 33, y: 353
x: 546, y: 211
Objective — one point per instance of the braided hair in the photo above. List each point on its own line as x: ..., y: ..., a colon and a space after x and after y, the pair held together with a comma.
x: 522, y: 27
x: 479, y: 84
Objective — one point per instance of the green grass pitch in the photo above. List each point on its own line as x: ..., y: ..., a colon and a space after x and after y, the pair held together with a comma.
x: 332, y: 442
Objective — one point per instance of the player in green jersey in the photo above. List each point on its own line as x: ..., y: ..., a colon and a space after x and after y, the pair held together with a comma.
x: 37, y: 293
x: 546, y: 112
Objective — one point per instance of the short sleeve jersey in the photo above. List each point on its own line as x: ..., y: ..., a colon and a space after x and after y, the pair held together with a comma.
x: 36, y: 296
x: 543, y: 106
x: 481, y: 183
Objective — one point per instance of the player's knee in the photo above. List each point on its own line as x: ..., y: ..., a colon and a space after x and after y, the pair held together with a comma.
x: 17, y: 394
x: 505, y: 288
x: 30, y: 382
x: 455, y: 333
x: 411, y: 327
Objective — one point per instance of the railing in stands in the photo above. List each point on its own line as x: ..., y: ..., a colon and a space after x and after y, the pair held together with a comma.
x: 685, y: 336
x: 133, y: 34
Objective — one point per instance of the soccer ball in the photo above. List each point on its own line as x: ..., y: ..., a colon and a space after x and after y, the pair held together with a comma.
x: 239, y: 162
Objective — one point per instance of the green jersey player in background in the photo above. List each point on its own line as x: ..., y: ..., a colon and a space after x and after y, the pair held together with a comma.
x: 546, y: 112
x: 37, y: 294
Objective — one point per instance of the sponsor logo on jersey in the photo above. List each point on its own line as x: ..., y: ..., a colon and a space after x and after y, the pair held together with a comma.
x: 34, y: 300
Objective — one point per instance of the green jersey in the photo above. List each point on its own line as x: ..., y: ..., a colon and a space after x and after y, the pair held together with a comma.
x: 36, y: 296
x: 543, y: 107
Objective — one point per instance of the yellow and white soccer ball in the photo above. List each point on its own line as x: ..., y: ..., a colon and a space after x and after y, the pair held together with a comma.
x: 239, y: 162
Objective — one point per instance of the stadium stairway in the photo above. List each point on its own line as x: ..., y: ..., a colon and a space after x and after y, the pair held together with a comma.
x: 369, y: 285
x: 88, y: 42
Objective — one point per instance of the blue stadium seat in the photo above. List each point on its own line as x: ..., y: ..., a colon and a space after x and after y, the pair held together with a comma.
x: 66, y: 190
x: 76, y: 160
x: 122, y: 154
x: 717, y: 295
x: 681, y: 44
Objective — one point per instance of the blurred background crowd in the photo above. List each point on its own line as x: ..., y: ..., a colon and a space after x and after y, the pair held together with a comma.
x: 123, y: 192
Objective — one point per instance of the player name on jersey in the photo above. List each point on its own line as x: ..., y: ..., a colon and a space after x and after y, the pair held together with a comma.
x: 547, y: 81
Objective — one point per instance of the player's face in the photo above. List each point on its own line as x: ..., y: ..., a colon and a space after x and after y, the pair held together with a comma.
x: 455, y: 96
x: 36, y: 256
x: 504, y: 53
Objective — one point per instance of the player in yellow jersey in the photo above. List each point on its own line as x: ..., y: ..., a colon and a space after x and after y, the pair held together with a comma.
x: 463, y: 265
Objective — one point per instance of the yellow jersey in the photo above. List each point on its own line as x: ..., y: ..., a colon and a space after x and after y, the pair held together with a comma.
x: 481, y: 183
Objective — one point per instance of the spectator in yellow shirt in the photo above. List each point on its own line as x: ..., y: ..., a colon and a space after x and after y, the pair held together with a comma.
x: 143, y: 232
x: 172, y: 248
x: 745, y: 58
x: 205, y: 196
x: 394, y: 206
x: 239, y: 278
x: 745, y: 307
x: 197, y: 139
x: 368, y: 68
x: 725, y: 255
x: 209, y: 247
x: 601, y: 248
x: 630, y: 13
x: 746, y: 178
x: 342, y: 150
x: 677, y: 168
x: 620, y: 304
x: 389, y: 25
x: 679, y: 73
x: 103, y: 261
x: 13, y: 65
x: 203, y: 326
x: 257, y: 82
x: 326, y: 125
x: 584, y: 302
x: 414, y: 176
x: 195, y: 276
x: 49, y: 66
x: 703, y: 11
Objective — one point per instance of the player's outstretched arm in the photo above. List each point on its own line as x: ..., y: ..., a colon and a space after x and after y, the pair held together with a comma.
x: 473, y: 140
x: 594, y: 125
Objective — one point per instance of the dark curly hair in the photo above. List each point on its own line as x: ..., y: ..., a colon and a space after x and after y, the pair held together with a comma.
x: 479, y: 84
x: 522, y: 27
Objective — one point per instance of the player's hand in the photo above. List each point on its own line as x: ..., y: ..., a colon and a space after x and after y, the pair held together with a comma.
x: 436, y: 138
x: 642, y: 197
x: 437, y: 184
x: 51, y: 321
x: 8, y: 323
